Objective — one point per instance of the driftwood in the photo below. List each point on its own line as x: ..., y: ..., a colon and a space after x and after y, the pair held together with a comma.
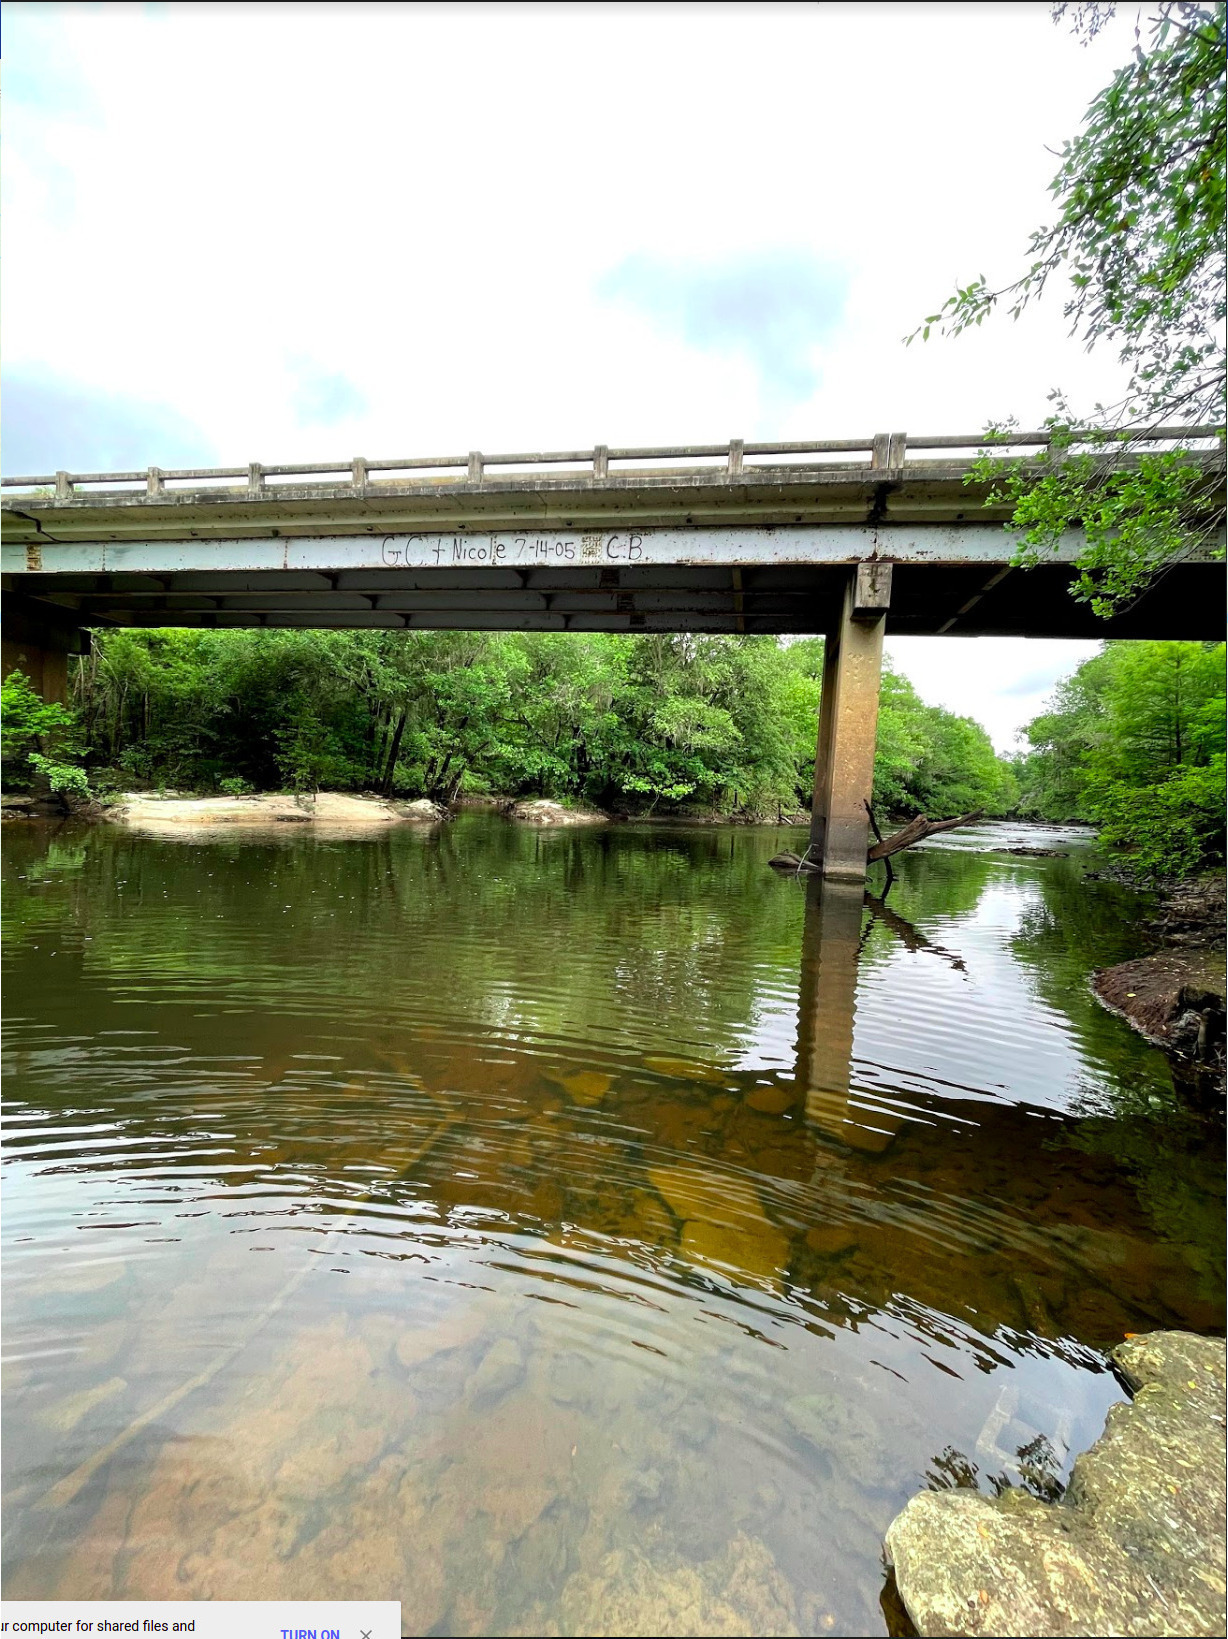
x: 915, y: 831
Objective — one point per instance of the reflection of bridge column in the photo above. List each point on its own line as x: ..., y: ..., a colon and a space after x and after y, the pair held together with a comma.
x: 830, y: 948
x: 848, y: 723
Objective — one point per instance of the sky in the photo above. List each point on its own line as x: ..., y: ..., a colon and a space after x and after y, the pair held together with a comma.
x: 295, y: 232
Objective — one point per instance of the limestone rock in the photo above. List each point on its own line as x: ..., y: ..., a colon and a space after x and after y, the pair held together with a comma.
x: 724, y: 1223
x: 741, y: 1591
x: 1136, y: 1546
x: 757, y: 1252
x: 422, y: 810
x: 541, y: 811
x: 457, y: 1329
x: 334, y: 812
x: 663, y: 1064
x: 831, y: 1239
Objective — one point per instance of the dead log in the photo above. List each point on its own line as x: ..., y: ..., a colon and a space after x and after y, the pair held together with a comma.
x: 917, y: 830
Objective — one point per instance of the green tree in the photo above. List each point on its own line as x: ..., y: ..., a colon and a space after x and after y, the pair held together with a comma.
x: 1135, y: 743
x: 39, y: 741
x: 1140, y: 239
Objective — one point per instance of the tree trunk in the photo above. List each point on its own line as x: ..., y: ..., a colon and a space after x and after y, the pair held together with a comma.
x: 393, y: 752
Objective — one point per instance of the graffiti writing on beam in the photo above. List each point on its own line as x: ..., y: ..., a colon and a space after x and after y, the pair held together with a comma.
x: 512, y: 549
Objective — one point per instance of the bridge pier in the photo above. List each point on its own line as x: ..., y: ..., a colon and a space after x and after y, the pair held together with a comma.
x: 38, y: 645
x: 848, y: 724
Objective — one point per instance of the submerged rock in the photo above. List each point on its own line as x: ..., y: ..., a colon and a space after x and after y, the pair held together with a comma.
x: 832, y: 1239
x: 582, y: 1086
x: 1136, y: 1546
x: 772, y: 1100
x: 66, y: 1414
x: 758, y: 1252
x: 740, y: 1591
x: 664, y: 1064
x: 501, y: 1370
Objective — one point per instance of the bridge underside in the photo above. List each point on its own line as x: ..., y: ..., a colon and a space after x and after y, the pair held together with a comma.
x: 927, y: 599
x: 851, y: 550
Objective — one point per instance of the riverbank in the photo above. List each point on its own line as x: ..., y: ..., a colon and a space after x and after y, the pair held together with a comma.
x: 1175, y: 997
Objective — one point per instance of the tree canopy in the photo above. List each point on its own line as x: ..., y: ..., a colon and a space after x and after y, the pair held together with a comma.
x: 1139, y: 239
x: 1134, y: 742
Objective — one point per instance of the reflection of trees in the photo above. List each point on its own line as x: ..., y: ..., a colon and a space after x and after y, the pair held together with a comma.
x: 1134, y: 1117
x: 1037, y: 1467
x: 553, y: 932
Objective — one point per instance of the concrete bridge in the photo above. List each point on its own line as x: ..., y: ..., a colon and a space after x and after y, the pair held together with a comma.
x: 837, y: 537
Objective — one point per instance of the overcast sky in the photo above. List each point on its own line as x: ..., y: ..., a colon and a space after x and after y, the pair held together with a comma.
x: 292, y: 232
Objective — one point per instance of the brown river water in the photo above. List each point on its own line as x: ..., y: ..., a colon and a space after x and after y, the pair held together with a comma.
x: 562, y: 1233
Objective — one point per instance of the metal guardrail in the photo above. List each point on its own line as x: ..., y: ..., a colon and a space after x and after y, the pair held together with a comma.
x: 881, y: 450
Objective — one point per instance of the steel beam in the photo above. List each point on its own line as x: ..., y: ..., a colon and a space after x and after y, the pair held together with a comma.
x: 835, y: 544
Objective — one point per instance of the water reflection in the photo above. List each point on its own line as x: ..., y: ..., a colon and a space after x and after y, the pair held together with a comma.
x: 496, y: 1222
x: 831, y: 946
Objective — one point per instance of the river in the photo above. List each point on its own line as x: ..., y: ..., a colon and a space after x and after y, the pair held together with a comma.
x: 562, y: 1232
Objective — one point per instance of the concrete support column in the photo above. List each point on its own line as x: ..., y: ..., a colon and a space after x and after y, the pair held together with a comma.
x: 47, y: 669
x: 34, y: 641
x: 848, y: 723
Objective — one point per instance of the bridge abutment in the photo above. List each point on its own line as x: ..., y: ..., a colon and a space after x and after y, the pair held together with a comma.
x: 848, y: 725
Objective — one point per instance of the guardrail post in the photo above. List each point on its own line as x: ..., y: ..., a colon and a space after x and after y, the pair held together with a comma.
x: 255, y: 479
x: 63, y: 486
x: 737, y: 448
x: 358, y: 472
x: 889, y: 449
x: 154, y: 482
x: 601, y: 463
x: 475, y: 466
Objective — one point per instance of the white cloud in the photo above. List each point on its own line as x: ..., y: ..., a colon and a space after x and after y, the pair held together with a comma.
x: 1001, y: 681
x: 426, y: 203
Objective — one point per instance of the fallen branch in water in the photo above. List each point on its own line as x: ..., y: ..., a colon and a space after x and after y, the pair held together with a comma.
x: 917, y: 830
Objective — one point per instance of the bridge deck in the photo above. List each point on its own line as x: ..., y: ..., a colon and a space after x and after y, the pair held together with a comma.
x: 736, y: 538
